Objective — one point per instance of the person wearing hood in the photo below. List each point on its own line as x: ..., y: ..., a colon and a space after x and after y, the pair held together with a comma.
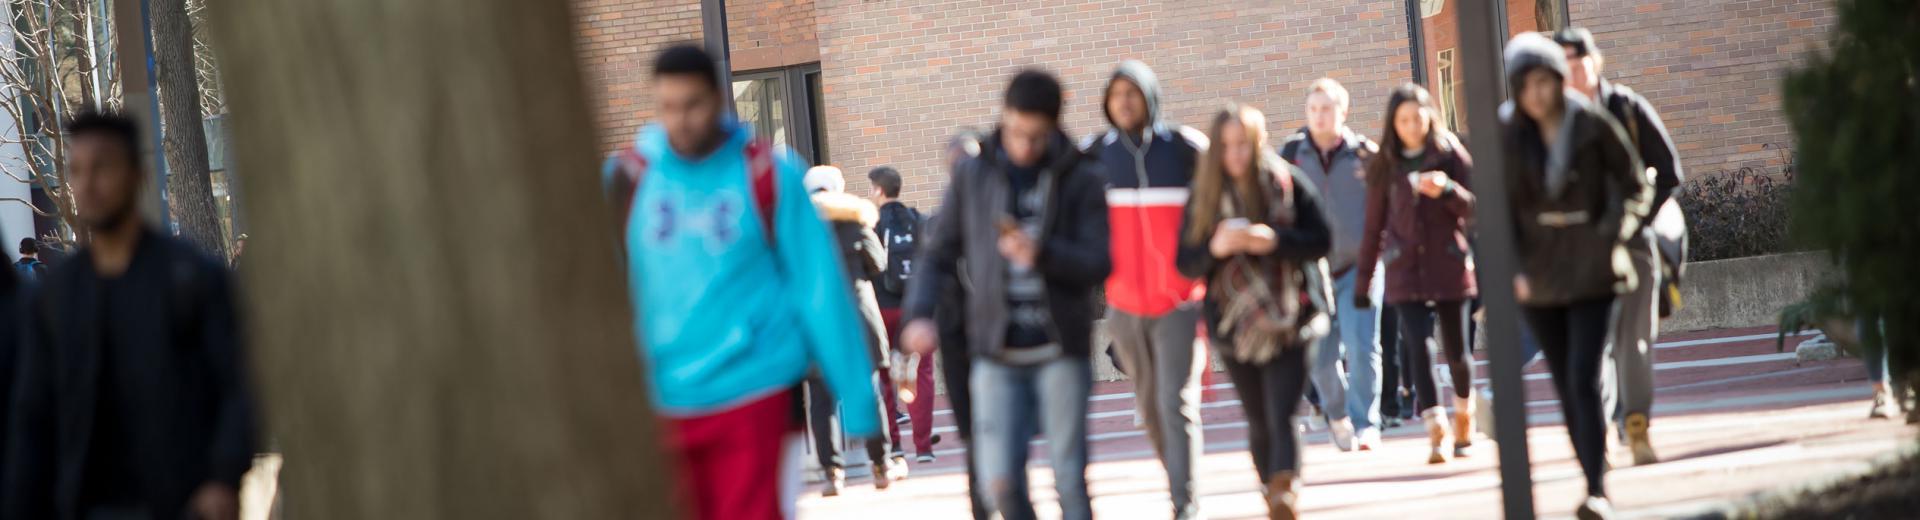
x: 1333, y: 157
x: 739, y: 290
x: 1638, y: 326
x: 852, y: 220
x: 1578, y: 193
x: 1151, y: 308
x: 1029, y: 215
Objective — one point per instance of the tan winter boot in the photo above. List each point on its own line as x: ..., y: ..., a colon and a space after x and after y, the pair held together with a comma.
x: 1282, y: 497
x: 1638, y: 441
x: 1436, y: 420
x: 1463, y: 410
x: 835, y: 480
x: 1881, y: 396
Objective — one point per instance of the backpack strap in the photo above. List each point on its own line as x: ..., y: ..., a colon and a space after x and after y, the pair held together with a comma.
x: 629, y: 169
x: 762, y: 181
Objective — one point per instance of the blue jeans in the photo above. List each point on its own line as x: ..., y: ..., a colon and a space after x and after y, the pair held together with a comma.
x: 1011, y: 404
x: 1355, y: 338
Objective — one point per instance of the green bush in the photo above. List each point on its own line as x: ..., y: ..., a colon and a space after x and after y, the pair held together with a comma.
x: 1855, y: 113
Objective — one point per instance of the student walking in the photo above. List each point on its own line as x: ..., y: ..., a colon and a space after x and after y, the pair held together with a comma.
x: 134, y: 400
x: 29, y: 269
x: 1029, y: 216
x: 956, y: 361
x: 1578, y: 194
x: 899, y: 227
x: 1637, y: 326
x: 852, y: 220
x: 1333, y: 156
x: 1255, y: 233
x: 1418, y: 209
x: 1152, y: 309
x: 739, y: 288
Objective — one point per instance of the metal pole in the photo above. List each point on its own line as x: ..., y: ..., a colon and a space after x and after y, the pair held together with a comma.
x: 136, y: 98
x: 713, y: 27
x: 1480, y: 47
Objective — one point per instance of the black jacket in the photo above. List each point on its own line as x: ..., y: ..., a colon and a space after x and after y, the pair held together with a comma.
x: 1073, y: 258
x: 189, y: 420
x: 1648, y: 135
x: 1571, y: 236
x: 852, y: 219
x: 1306, y: 242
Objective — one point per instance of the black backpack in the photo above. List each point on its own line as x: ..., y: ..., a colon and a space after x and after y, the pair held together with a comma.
x: 899, y: 233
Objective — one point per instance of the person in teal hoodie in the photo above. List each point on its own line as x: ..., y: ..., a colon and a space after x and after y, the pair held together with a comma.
x: 739, y: 290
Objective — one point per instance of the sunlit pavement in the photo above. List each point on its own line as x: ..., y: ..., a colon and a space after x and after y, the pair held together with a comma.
x: 1734, y: 417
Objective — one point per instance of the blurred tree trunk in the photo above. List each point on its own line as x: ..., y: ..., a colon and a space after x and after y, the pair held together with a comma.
x: 189, y: 182
x: 439, y: 322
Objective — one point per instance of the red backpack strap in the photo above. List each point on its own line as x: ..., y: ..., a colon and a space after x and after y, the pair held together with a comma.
x: 630, y: 168
x: 760, y: 169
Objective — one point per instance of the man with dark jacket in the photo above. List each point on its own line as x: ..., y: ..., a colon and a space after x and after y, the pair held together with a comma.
x: 1334, y: 157
x: 134, y: 401
x: 1637, y: 326
x: 898, y: 228
x: 1578, y: 195
x: 1029, y: 215
x: 851, y: 219
x: 1152, y: 311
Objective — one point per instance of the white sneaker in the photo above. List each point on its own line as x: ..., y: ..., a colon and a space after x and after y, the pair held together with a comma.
x: 1342, y: 433
x: 1367, y: 439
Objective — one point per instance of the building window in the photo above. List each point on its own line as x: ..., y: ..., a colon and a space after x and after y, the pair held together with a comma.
x: 1435, y: 38
x: 784, y: 105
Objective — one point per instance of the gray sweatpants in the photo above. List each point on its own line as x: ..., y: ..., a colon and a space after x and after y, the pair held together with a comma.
x: 1164, y: 362
x: 1636, y: 327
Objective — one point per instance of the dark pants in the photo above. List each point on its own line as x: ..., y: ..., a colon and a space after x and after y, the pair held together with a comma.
x: 1416, y: 326
x: 1574, y: 339
x: 957, y: 369
x: 1392, y: 371
x: 1269, y: 395
x: 822, y: 411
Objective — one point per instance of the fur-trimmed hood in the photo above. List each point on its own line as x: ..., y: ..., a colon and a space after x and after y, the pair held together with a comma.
x: 843, y: 207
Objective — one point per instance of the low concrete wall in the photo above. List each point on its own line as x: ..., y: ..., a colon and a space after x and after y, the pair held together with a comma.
x: 1721, y: 294
x: 1746, y: 292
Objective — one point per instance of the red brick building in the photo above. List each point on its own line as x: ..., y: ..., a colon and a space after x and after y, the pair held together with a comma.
x: 864, y: 83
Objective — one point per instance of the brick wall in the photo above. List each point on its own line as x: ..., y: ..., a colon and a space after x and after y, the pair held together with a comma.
x: 617, y: 40
x: 1712, y: 67
x: 901, y: 76
x: 765, y: 34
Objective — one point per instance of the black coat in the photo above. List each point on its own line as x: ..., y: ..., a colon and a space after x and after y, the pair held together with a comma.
x: 1571, y: 241
x: 852, y: 220
x: 1074, y: 258
x: 189, y: 418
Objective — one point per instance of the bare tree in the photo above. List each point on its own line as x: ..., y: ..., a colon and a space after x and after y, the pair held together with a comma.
x: 48, y: 74
x: 414, y: 363
x: 189, y: 178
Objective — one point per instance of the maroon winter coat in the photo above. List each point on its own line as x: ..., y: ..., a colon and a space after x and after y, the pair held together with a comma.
x: 1423, y: 241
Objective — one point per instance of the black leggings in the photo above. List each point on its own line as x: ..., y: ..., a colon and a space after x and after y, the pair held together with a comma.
x: 1392, y: 370
x: 1416, y: 329
x: 1269, y: 395
x: 822, y: 409
x: 1574, y: 339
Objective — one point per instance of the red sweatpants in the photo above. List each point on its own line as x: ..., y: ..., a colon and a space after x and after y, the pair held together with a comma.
x: 728, y: 462
x: 920, y: 412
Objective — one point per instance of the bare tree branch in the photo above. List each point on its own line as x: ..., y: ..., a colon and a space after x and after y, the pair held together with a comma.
x: 28, y: 204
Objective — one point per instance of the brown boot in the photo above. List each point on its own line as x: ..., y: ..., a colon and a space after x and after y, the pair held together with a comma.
x: 1282, y: 497
x: 835, y: 479
x: 1638, y: 441
x: 1436, y: 420
x: 1463, y: 410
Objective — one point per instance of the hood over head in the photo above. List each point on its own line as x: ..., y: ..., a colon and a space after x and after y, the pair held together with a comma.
x: 1143, y: 77
x: 1530, y: 50
x: 824, y: 178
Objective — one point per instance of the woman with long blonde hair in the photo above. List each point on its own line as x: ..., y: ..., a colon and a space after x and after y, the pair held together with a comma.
x: 1256, y: 235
